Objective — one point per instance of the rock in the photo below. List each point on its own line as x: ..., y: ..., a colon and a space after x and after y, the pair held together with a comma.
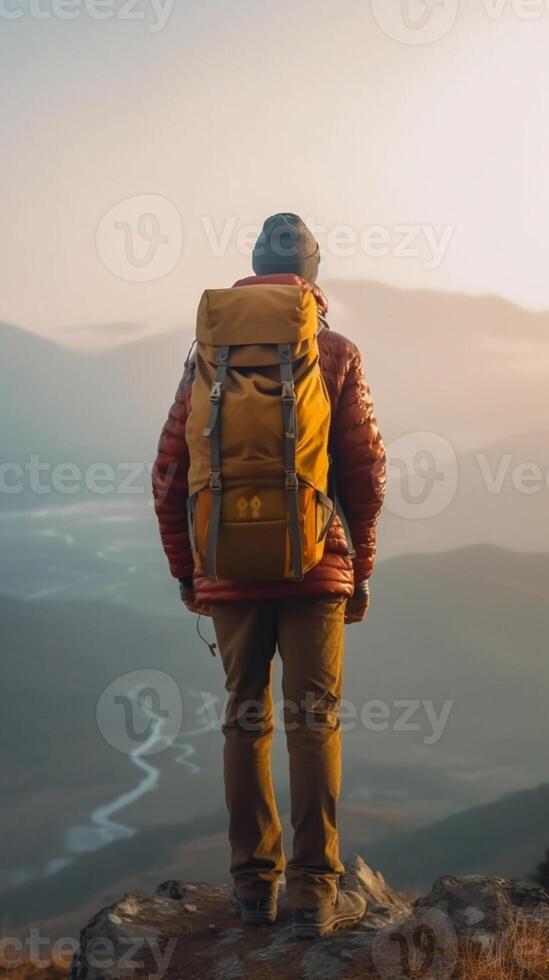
x: 480, y: 907
x: 228, y: 968
x: 175, y: 889
x: 163, y: 936
x: 383, y: 903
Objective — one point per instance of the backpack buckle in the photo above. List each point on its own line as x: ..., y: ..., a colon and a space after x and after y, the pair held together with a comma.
x: 215, y: 481
x: 216, y: 391
x: 291, y: 482
x: 288, y: 391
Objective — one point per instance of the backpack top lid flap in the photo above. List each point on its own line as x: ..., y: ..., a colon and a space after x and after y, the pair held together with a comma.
x: 262, y: 315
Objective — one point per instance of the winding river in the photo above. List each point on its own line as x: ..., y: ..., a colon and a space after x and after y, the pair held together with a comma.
x: 103, y: 829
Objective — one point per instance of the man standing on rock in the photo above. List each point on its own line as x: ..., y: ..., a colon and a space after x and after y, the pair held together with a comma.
x: 268, y: 484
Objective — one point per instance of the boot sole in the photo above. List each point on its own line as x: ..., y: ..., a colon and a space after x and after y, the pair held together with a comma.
x: 258, y: 919
x: 311, y: 930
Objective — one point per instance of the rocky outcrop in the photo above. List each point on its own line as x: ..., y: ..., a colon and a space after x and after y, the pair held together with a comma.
x: 193, y: 932
x: 481, y: 907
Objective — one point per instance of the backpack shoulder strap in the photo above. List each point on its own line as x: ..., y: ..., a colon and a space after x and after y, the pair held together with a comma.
x: 212, y: 432
x: 291, y: 483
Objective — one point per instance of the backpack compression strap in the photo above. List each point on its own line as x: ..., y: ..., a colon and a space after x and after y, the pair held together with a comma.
x: 213, y: 434
x: 332, y: 493
x: 290, y: 438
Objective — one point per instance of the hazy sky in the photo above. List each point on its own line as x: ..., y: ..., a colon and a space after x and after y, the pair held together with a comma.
x: 205, y: 117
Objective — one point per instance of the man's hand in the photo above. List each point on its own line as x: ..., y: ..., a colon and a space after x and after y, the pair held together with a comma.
x: 186, y: 592
x: 357, y: 606
x: 193, y: 607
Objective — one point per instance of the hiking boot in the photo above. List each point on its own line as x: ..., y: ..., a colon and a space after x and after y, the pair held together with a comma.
x: 257, y: 911
x: 344, y: 913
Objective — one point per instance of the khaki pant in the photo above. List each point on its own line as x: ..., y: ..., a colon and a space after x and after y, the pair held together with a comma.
x: 309, y: 634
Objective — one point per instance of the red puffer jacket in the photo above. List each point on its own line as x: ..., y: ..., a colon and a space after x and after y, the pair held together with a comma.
x: 359, y: 459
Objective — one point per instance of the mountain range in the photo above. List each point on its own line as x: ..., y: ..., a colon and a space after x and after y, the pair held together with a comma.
x: 508, y: 838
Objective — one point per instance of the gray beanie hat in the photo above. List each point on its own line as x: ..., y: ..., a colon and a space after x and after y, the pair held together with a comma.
x: 285, y: 244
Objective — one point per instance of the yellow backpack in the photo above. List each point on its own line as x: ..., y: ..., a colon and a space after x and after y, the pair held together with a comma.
x: 257, y: 433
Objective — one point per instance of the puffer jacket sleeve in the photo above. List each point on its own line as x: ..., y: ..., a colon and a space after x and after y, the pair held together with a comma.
x: 360, y: 464
x: 170, y: 484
